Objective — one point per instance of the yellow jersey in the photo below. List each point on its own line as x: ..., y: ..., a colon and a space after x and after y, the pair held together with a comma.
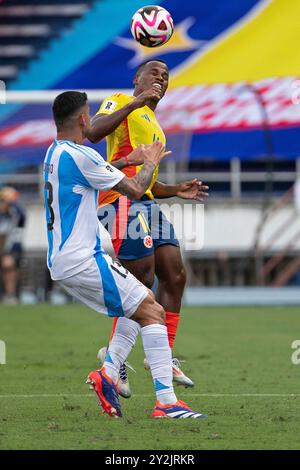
x: 140, y: 127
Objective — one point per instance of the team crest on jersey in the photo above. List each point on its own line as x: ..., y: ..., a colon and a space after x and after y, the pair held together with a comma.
x: 148, y: 242
x: 110, y: 105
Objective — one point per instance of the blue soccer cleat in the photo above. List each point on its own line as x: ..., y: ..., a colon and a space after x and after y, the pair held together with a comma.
x: 106, y: 392
x: 176, y: 411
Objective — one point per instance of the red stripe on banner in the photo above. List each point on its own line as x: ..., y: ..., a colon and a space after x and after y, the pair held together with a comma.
x: 32, y: 132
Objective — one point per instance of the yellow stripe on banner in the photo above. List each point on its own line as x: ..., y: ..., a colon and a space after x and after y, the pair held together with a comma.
x: 143, y: 223
x: 264, y: 46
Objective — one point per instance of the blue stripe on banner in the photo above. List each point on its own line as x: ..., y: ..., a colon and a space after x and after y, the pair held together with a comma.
x: 48, y: 216
x: 111, y: 293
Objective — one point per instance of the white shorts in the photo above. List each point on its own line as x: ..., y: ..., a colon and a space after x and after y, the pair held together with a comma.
x: 107, y: 287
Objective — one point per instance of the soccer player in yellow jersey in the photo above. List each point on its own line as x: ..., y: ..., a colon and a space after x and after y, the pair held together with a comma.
x: 126, y: 122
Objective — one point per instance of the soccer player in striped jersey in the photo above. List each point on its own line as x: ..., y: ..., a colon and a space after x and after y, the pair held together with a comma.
x: 73, y: 175
x: 128, y: 121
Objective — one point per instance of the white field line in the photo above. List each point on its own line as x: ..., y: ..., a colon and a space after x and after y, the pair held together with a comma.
x: 214, y: 395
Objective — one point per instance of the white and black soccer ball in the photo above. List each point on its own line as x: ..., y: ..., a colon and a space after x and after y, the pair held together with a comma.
x: 152, y: 26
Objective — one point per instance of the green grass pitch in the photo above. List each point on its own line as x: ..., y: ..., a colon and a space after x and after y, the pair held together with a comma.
x: 239, y: 358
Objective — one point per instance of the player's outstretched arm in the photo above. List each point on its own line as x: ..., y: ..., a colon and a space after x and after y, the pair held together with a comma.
x: 104, y: 124
x: 193, y: 189
x: 136, y: 187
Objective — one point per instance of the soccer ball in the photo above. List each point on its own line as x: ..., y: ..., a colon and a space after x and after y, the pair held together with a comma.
x: 152, y: 26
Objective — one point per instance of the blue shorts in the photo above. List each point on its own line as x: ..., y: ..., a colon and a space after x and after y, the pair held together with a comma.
x: 136, y: 228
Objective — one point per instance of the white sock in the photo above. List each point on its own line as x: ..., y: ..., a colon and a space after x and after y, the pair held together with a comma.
x: 158, y: 354
x: 123, y: 340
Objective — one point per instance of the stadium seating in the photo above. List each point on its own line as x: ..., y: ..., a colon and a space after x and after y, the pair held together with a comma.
x: 27, y: 27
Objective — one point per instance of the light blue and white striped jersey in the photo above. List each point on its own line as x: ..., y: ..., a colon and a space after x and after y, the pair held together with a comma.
x: 73, y: 174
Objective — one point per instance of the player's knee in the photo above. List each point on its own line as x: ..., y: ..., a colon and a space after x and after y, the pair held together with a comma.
x: 175, y: 282
x: 158, y: 314
x: 155, y: 312
x: 180, y: 278
x: 149, y: 312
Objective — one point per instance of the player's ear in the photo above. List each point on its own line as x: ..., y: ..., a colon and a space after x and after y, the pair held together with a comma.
x: 136, y: 80
x: 82, y: 120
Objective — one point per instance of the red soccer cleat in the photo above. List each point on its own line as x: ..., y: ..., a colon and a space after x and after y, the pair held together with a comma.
x: 106, y: 392
x: 175, y: 411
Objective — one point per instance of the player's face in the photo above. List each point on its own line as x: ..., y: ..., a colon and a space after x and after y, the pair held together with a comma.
x: 154, y: 72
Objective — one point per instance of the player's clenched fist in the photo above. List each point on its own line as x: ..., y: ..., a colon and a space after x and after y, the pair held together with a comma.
x: 153, y: 94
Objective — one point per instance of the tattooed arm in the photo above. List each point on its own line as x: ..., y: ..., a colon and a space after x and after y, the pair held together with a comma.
x: 136, y: 187
x: 136, y: 157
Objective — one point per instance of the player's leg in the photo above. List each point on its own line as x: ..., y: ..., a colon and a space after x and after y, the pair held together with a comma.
x: 143, y: 270
x: 151, y: 318
x: 171, y: 275
x: 9, y: 275
x: 107, y: 287
x: 127, y: 223
x: 110, y: 289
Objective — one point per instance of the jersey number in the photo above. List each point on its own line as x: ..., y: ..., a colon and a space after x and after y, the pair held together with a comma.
x: 116, y: 266
x: 49, y: 189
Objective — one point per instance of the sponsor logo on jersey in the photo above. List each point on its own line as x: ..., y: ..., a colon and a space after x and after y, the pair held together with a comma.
x: 109, y: 168
x: 110, y: 105
x: 145, y: 116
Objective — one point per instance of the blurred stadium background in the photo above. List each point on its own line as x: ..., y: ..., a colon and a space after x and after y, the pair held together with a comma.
x: 232, y: 119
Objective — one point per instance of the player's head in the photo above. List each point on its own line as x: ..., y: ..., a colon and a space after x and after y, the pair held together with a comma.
x: 71, y: 111
x: 150, y: 72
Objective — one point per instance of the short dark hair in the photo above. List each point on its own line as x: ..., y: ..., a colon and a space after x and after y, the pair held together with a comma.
x: 66, y: 104
x: 142, y: 66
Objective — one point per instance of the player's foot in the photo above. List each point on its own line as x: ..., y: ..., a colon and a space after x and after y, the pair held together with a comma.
x: 123, y: 382
x: 106, y: 392
x: 176, y: 411
x: 178, y: 376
